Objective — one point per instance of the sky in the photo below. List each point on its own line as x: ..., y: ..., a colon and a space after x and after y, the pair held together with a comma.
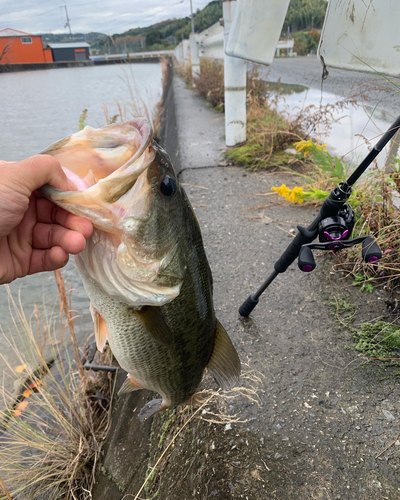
x: 105, y: 16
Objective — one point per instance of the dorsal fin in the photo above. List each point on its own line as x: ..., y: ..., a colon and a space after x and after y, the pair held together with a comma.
x: 100, y: 329
x: 224, y: 363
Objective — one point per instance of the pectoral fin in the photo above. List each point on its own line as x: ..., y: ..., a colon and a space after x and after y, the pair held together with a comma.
x: 154, y: 322
x: 224, y: 363
x: 100, y: 329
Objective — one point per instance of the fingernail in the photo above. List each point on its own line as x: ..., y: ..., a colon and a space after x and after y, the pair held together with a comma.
x: 72, y: 185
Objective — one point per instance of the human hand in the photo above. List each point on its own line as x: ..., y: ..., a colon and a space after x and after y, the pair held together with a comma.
x: 35, y: 234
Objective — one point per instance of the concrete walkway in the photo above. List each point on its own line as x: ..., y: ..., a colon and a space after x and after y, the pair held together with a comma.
x: 325, y: 417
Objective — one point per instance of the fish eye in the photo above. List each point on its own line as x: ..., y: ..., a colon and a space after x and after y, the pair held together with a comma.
x: 168, y: 186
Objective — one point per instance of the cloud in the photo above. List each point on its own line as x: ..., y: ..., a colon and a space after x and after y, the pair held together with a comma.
x: 111, y: 16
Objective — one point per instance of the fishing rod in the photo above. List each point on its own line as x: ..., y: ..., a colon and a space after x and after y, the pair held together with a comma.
x: 333, y: 225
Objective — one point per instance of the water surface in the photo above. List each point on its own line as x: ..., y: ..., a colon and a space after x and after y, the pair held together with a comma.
x: 36, y: 109
x: 353, y: 129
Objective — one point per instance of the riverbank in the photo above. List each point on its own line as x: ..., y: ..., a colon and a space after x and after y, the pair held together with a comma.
x: 326, y: 422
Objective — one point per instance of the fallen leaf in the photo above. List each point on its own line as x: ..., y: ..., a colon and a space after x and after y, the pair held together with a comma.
x: 20, y: 368
x: 21, y: 406
x: 35, y: 385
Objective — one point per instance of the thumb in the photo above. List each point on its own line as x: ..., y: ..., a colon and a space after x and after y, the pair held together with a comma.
x: 38, y: 170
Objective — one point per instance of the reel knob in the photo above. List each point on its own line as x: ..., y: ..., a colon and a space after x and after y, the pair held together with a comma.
x: 306, y: 260
x: 371, y: 251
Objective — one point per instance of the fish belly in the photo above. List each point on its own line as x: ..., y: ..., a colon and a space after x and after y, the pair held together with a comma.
x: 174, y: 370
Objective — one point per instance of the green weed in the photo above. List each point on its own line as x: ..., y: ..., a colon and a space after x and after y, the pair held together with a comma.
x: 82, y: 119
x: 363, y: 282
x: 379, y: 339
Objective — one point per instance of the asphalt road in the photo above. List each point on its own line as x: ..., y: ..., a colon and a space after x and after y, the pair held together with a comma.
x: 370, y: 88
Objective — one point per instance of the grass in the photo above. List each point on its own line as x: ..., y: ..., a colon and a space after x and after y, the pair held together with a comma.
x: 210, y: 82
x: 52, y: 431
x: 379, y: 340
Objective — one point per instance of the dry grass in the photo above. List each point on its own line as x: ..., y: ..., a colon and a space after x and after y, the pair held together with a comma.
x: 136, y: 105
x: 185, y: 72
x: 52, y: 432
x: 210, y: 82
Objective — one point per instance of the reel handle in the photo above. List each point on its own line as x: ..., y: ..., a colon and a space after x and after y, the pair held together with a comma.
x: 306, y: 260
x: 370, y: 251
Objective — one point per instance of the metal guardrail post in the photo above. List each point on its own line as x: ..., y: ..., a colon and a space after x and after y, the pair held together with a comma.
x: 235, y: 86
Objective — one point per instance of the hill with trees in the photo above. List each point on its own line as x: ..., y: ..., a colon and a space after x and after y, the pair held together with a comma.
x: 302, y: 16
x: 172, y: 31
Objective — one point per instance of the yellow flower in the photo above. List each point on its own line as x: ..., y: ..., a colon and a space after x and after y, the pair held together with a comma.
x: 306, y: 147
x: 294, y: 195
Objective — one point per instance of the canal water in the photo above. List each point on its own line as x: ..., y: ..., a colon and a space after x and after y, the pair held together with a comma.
x: 36, y: 109
x: 352, y: 129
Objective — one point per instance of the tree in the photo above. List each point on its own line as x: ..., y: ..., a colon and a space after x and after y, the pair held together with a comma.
x: 305, y: 14
x: 153, y: 37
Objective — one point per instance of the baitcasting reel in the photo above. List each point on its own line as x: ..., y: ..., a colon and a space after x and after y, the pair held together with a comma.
x: 334, y: 233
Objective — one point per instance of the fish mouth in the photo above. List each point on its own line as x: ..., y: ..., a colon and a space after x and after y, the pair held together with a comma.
x: 104, y: 164
x: 130, y: 256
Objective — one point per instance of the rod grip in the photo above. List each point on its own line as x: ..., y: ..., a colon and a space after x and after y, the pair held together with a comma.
x: 248, y: 305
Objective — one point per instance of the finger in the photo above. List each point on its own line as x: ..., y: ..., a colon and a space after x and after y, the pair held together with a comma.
x: 36, y: 171
x: 49, y: 213
x: 52, y: 235
x: 48, y: 260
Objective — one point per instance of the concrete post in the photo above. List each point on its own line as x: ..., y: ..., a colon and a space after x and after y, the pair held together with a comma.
x: 194, y: 55
x: 185, y: 49
x: 235, y: 86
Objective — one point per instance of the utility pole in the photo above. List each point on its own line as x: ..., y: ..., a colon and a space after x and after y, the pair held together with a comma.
x: 67, y: 23
x: 191, y: 10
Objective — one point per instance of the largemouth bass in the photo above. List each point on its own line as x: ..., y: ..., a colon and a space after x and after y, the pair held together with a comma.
x: 145, y: 269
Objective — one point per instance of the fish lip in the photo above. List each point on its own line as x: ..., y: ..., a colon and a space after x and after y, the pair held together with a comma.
x: 146, y: 134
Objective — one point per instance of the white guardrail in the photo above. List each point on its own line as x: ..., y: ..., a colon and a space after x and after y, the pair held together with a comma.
x: 132, y: 55
x: 211, y: 45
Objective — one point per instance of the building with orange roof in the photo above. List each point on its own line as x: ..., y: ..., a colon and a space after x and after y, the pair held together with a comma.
x: 19, y: 47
